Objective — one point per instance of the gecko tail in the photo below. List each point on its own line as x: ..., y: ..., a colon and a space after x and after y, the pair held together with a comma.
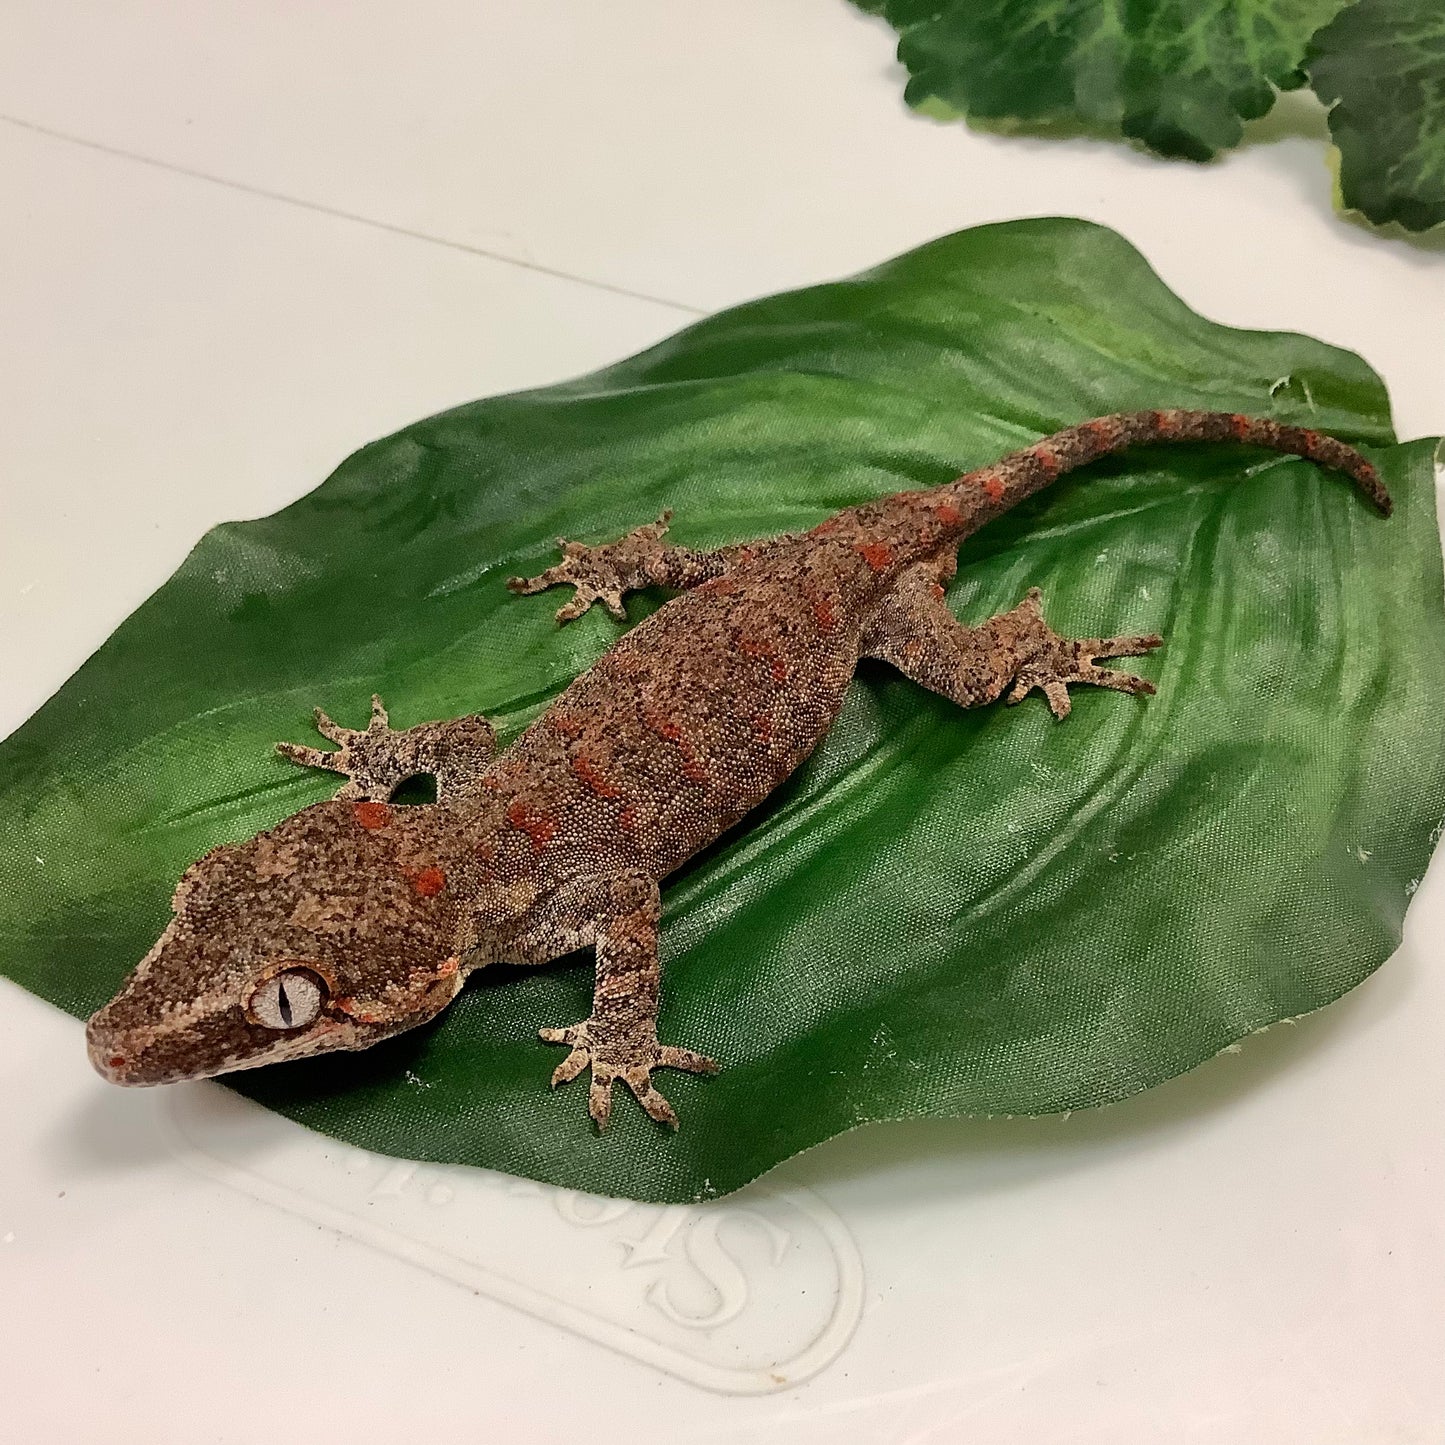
x: 1025, y: 472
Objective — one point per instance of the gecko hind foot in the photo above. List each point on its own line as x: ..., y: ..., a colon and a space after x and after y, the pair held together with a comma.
x: 1052, y: 662
x: 603, y: 573
x: 376, y: 760
x: 630, y: 1058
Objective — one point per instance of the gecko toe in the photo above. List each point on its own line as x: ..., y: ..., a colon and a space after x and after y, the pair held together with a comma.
x: 646, y: 1094
x: 669, y: 1057
x: 599, y: 1096
x: 571, y: 1066
x: 1119, y: 681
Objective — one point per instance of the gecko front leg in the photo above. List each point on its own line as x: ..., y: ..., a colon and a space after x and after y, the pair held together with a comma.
x: 378, y: 759
x: 619, y: 1039
x: 607, y: 572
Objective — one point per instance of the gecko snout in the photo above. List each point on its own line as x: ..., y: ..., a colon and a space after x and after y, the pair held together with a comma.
x: 109, y: 1057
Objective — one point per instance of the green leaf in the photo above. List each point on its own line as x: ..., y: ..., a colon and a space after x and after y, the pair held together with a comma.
x: 945, y: 912
x: 1181, y: 77
x: 1380, y: 65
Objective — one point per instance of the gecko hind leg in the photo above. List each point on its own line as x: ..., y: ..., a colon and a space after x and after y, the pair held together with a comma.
x: 605, y: 573
x: 378, y: 759
x: 1012, y: 653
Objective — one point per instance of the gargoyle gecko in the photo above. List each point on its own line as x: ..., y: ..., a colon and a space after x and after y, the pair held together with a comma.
x: 355, y: 919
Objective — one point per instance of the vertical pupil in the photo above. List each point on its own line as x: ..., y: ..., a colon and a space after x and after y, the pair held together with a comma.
x: 283, y: 1003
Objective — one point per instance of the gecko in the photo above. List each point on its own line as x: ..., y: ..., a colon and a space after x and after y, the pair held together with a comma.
x: 358, y: 918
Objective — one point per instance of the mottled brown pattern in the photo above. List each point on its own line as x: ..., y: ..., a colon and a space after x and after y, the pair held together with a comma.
x: 684, y: 725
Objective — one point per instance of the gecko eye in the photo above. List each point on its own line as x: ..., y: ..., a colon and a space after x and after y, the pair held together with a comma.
x: 288, y: 1000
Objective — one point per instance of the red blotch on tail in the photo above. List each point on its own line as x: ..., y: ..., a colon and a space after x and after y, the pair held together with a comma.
x: 1048, y: 462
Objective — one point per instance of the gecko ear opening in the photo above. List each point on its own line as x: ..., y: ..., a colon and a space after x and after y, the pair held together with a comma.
x: 419, y: 788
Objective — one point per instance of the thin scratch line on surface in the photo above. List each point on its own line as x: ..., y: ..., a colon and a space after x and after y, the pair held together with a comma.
x: 337, y: 213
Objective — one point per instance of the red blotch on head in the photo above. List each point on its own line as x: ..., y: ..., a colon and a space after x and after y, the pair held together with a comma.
x: 878, y: 555
x: 763, y: 726
x: 627, y: 817
x: 586, y: 769
x: 948, y: 514
x: 994, y: 488
x: 372, y: 815
x: 428, y: 882
x: 352, y: 1009
x: 537, y: 826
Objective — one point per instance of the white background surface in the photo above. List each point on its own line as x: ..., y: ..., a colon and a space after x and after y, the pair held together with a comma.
x: 241, y: 238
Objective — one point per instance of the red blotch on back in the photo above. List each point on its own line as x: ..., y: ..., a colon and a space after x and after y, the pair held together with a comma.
x: 824, y: 613
x: 994, y: 488
x: 537, y: 826
x: 587, y: 770
x: 372, y: 815
x: 566, y: 723
x: 627, y: 818
x: 768, y: 653
x: 1240, y: 423
x: 948, y: 514
x: 878, y: 555
x: 666, y: 727
x: 763, y: 726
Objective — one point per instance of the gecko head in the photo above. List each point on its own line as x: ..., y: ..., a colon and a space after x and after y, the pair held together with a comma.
x: 334, y: 930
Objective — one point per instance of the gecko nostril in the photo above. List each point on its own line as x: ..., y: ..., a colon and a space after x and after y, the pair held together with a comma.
x: 116, y: 1061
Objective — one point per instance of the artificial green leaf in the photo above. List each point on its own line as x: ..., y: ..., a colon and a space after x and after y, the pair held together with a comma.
x: 1180, y: 77
x: 944, y: 912
x: 1380, y: 65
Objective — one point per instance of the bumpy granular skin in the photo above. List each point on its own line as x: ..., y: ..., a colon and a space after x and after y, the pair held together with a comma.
x: 354, y: 920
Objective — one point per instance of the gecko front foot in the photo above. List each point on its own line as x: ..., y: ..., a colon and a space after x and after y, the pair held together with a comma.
x: 379, y: 759
x: 629, y: 1055
x: 603, y: 573
x: 1050, y: 662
